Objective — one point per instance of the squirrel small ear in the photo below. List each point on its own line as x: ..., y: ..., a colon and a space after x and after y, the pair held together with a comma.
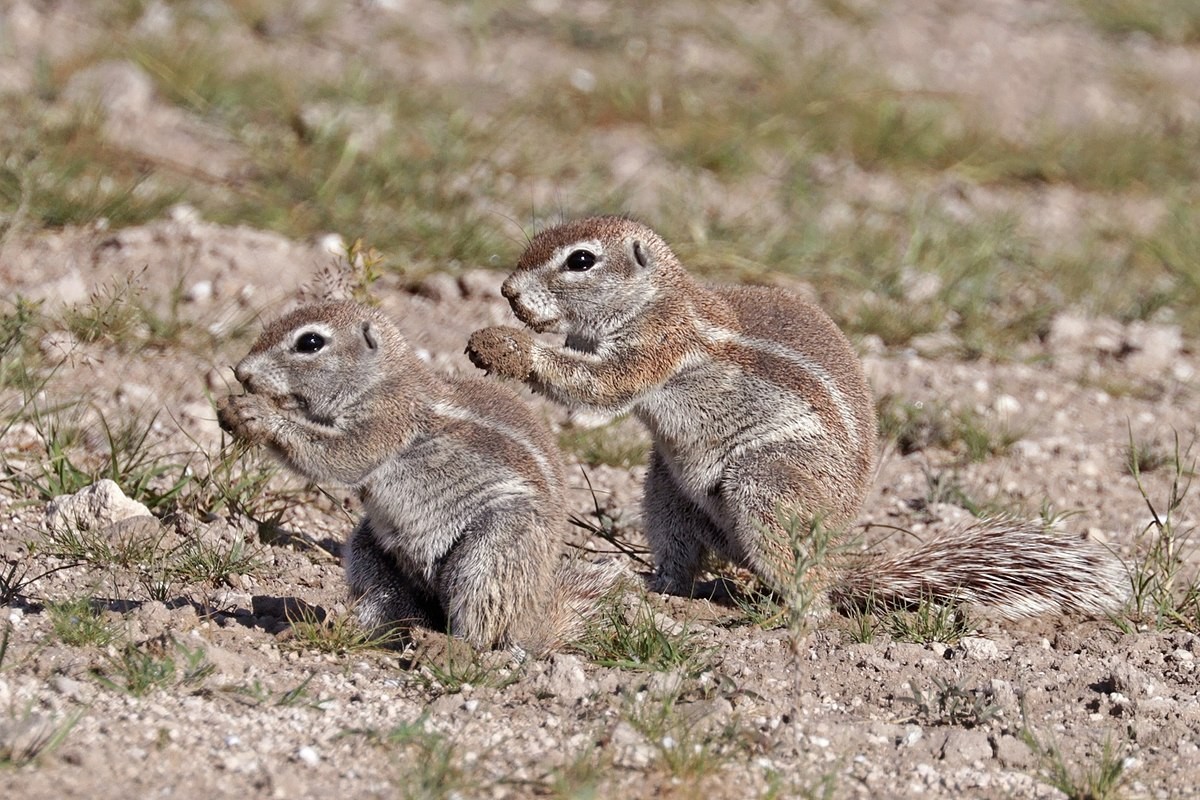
x: 640, y: 255
x: 370, y: 336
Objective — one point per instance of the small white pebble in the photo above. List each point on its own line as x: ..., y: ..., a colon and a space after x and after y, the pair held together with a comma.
x: 332, y: 243
x: 232, y: 741
x: 182, y: 212
x: 199, y: 292
x: 583, y: 80
x: 1006, y: 405
x: 308, y: 756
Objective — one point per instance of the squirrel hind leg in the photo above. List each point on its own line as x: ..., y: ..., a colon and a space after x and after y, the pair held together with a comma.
x: 495, y: 576
x: 383, y: 597
x: 789, y: 530
x: 678, y: 531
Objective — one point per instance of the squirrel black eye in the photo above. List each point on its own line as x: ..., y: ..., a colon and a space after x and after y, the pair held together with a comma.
x: 309, y: 342
x: 581, y: 260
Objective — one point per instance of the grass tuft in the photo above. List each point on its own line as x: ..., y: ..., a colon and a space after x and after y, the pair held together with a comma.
x: 20, y: 362
x: 608, y: 444
x: 930, y: 621
x: 687, y: 747
x: 430, y: 767
x: 339, y: 634
x: 80, y: 622
x: 920, y: 425
x: 458, y: 667
x: 950, y: 704
x: 640, y: 639
x: 129, y: 458
x: 1103, y: 779
x: 298, y: 695
x: 159, y: 664
x: 33, y: 737
x: 1165, y: 590
x: 1167, y: 21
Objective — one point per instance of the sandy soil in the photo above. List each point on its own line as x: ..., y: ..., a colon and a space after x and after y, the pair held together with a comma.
x: 838, y: 713
x: 836, y: 717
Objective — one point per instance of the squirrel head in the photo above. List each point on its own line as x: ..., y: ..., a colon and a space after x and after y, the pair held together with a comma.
x: 589, y: 277
x: 321, y: 359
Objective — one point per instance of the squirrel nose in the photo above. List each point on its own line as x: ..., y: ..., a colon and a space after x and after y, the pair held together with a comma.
x: 242, y: 374
x: 509, y: 290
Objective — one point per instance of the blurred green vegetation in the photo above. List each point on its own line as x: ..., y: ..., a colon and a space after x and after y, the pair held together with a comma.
x: 742, y: 142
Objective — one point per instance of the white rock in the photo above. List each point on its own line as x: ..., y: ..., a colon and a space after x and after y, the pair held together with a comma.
x: 587, y: 419
x: 583, y: 80
x: 93, y: 507
x: 665, y: 684
x: 630, y: 748
x: 1068, y: 332
x: 967, y: 746
x: 199, y: 292
x: 1006, y: 406
x: 1072, y: 333
x: 978, y: 648
x: 333, y: 243
x: 1128, y: 680
x: 919, y: 287
x: 1028, y: 449
x: 935, y: 344
x: 118, y: 88
x: 1155, y: 348
x: 185, y: 213
x: 566, y: 679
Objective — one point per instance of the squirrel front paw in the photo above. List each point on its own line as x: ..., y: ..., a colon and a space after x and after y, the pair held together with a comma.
x: 506, y: 351
x: 244, y: 416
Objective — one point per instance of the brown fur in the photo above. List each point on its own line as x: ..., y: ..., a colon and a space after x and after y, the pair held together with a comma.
x: 461, y: 484
x: 758, y: 406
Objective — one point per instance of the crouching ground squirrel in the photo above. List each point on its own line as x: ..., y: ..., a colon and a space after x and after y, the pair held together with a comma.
x: 757, y: 404
x: 460, y: 483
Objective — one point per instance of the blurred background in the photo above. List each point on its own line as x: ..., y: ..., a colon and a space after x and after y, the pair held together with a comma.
x: 959, y: 169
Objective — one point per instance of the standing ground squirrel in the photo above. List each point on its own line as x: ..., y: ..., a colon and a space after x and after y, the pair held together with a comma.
x: 757, y: 405
x: 460, y: 483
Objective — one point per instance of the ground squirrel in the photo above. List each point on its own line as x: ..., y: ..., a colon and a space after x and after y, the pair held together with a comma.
x: 757, y: 404
x: 461, y: 485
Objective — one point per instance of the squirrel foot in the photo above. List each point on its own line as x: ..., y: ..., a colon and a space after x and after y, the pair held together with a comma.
x: 245, y: 416
x: 503, y: 350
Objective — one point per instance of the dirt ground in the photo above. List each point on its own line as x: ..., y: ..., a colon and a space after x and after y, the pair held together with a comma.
x: 838, y: 715
x: 1008, y: 710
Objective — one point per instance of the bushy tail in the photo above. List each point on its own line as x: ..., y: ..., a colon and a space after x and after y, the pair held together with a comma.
x: 575, y: 601
x: 1017, y: 569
